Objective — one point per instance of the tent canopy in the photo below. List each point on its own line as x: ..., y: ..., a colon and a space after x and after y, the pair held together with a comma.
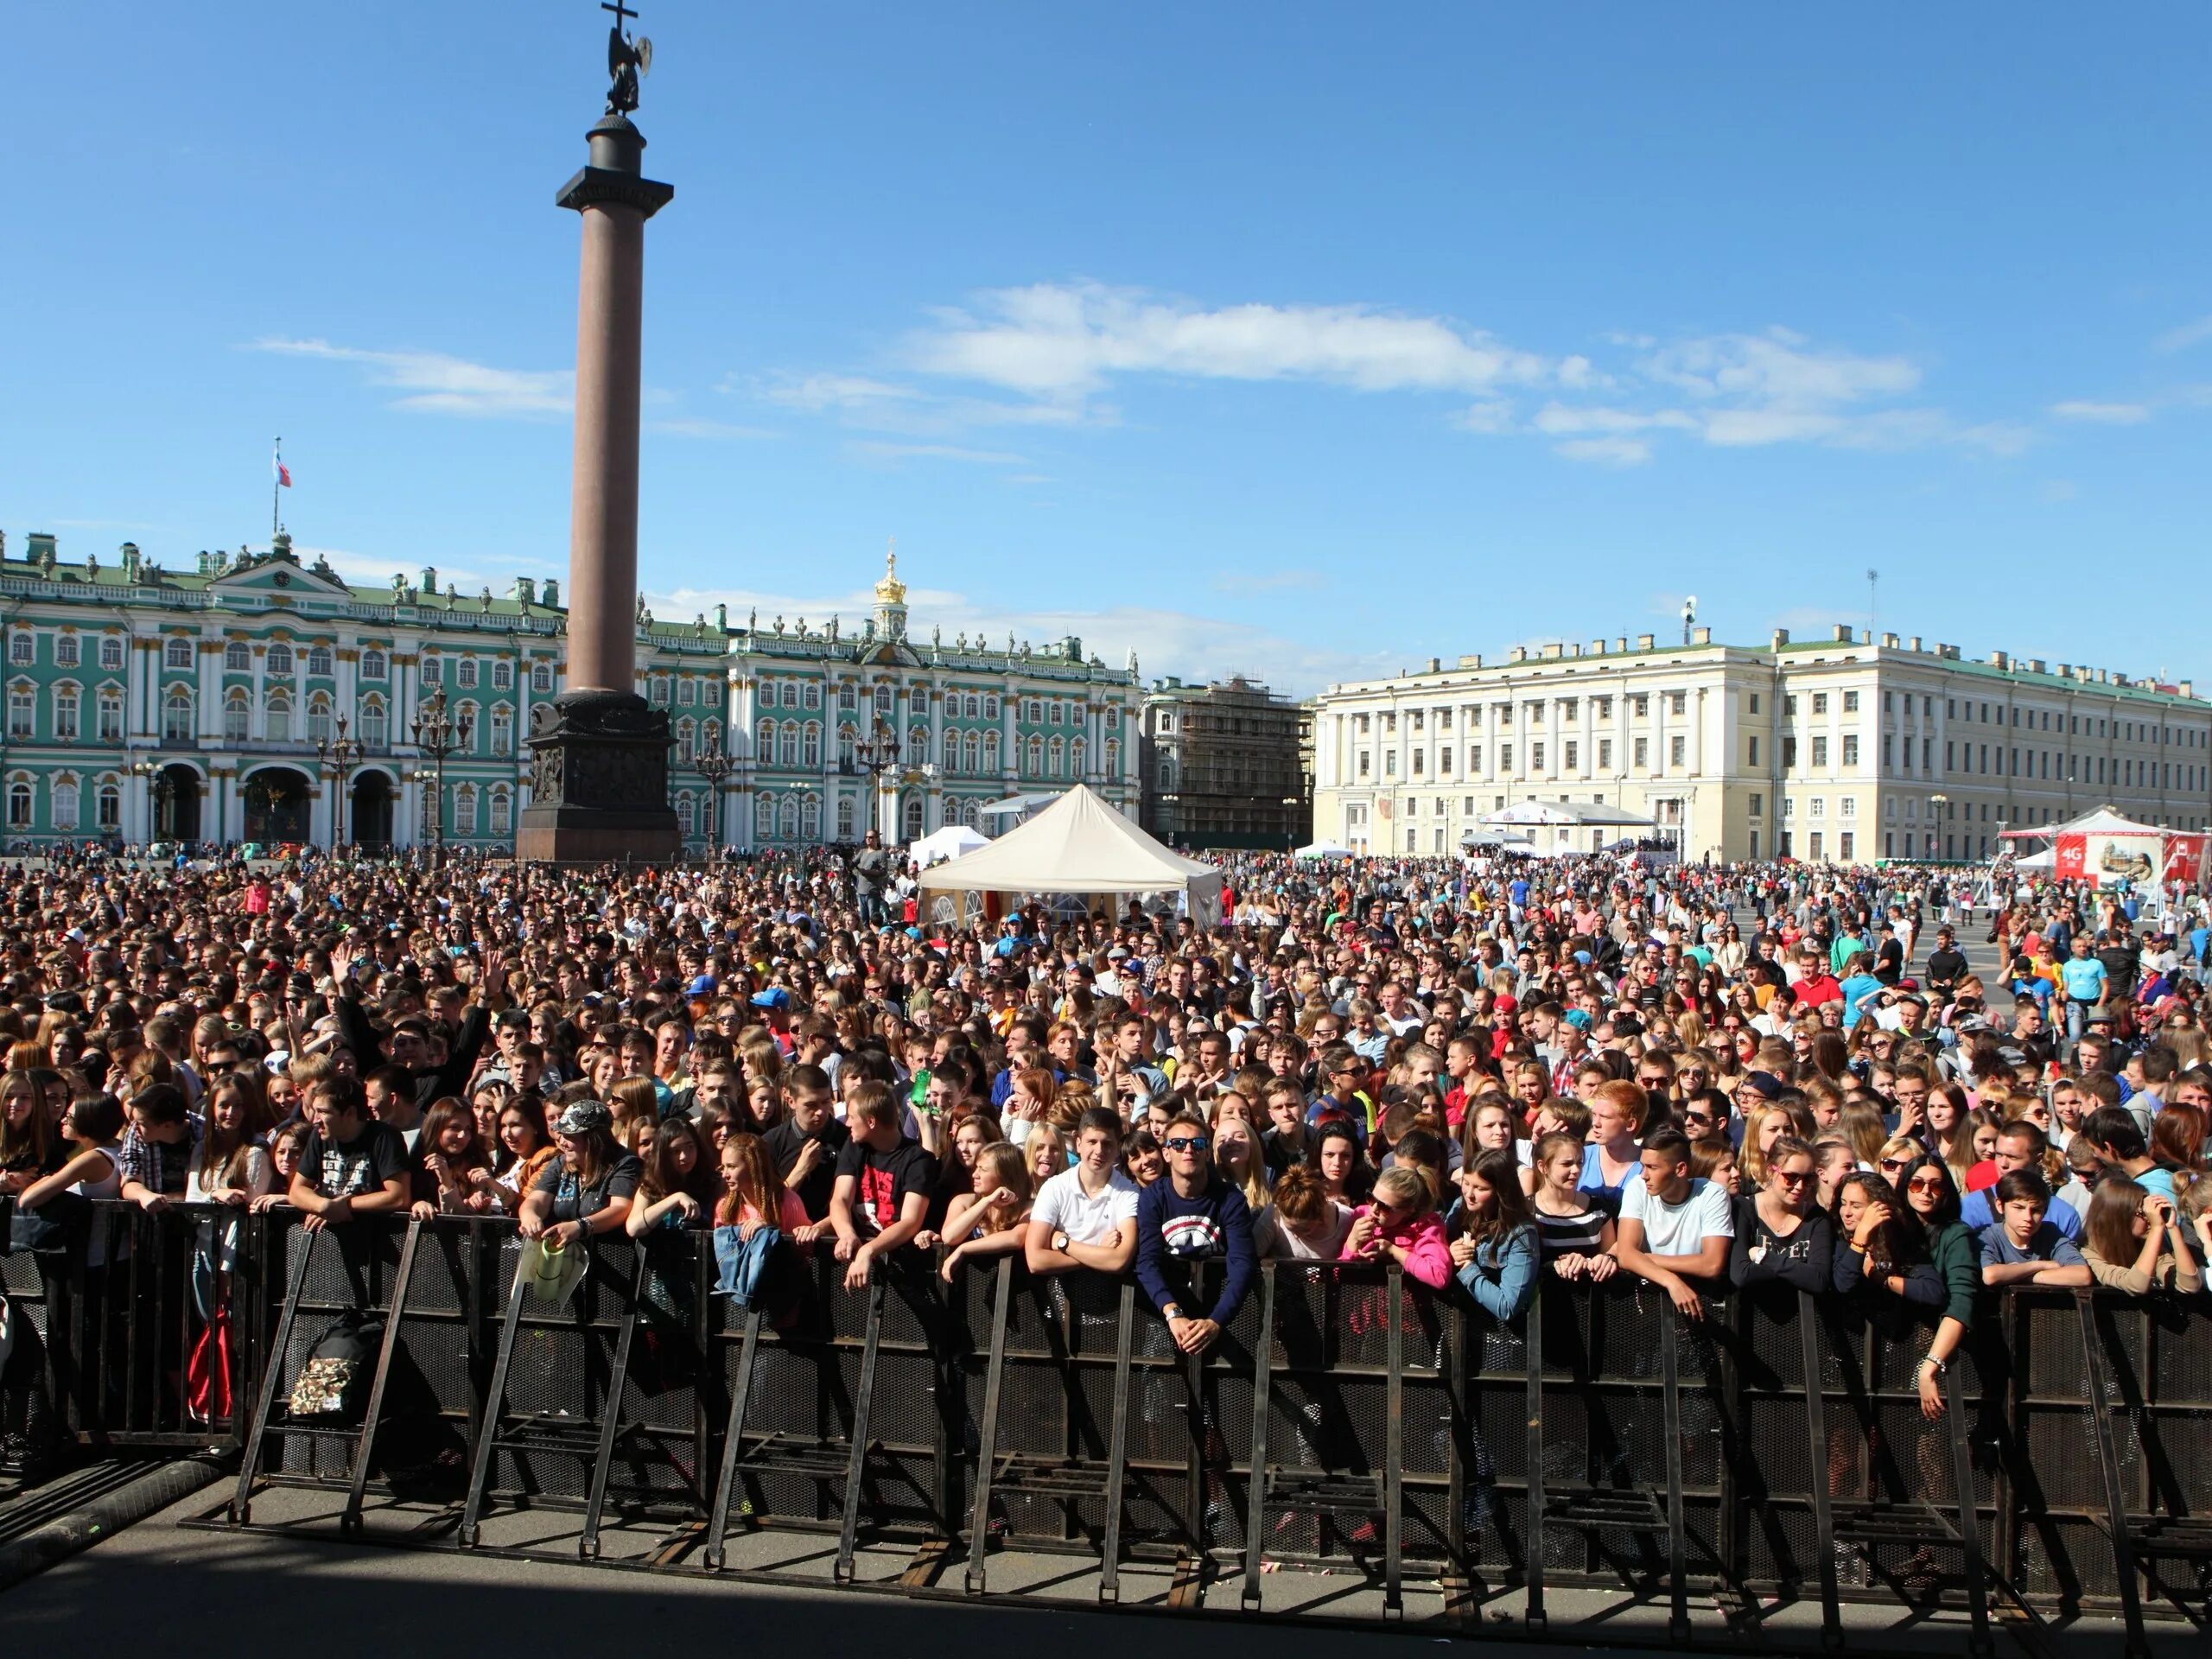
x: 2045, y: 860
x: 1322, y: 849
x: 1015, y: 806
x: 1587, y: 814
x: 2103, y: 822
x: 1502, y: 841
x: 951, y: 842
x: 1078, y: 844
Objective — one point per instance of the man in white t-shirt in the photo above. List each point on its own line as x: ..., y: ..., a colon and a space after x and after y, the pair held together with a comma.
x: 1086, y: 1217
x: 1674, y: 1229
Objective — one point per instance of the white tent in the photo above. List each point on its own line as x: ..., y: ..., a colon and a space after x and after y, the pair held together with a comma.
x: 1571, y: 814
x: 954, y: 841
x: 2103, y: 822
x: 1322, y: 849
x: 2045, y: 860
x: 1079, y: 845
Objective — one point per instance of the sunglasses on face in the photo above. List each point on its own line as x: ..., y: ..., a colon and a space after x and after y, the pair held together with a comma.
x: 1789, y: 1179
x: 1187, y: 1143
x: 1931, y: 1184
x: 1893, y: 1163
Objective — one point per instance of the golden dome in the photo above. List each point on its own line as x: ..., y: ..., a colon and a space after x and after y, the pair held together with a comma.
x: 891, y: 590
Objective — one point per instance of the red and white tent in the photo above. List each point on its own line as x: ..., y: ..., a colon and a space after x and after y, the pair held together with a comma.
x: 2106, y: 849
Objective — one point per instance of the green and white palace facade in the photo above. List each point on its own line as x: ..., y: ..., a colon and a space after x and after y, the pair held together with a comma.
x: 145, y: 704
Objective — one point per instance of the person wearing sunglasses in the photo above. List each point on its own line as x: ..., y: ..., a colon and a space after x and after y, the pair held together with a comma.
x: 1195, y: 1215
x: 1398, y: 1224
x: 1781, y: 1236
x: 1932, y: 1195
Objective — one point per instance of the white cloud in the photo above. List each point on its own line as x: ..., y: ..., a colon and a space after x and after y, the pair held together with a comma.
x: 815, y: 393
x: 883, y: 451
x: 1247, y: 583
x: 372, y: 570
x: 1490, y: 417
x: 1064, y: 342
x: 1167, y: 641
x: 447, y: 385
x: 693, y: 427
x: 2188, y: 335
x: 1777, y: 369
x: 2082, y: 409
x: 1612, y: 452
x: 1558, y: 420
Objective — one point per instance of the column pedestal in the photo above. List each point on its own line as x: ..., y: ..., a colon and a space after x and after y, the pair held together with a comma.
x: 598, y: 782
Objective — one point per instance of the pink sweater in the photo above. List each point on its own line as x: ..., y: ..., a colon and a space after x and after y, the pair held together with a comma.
x: 1428, y: 1258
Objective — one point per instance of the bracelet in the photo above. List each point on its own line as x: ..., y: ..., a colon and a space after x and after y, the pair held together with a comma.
x: 1930, y: 1359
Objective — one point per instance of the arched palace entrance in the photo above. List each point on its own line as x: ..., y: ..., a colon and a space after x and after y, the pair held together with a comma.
x: 277, y: 806
x: 369, y: 813
x: 176, y: 803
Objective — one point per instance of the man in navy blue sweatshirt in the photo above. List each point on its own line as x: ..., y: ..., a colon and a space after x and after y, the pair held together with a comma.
x: 1193, y: 1214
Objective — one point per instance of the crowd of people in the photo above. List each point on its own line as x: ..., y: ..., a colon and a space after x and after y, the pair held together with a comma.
x: 1695, y: 1076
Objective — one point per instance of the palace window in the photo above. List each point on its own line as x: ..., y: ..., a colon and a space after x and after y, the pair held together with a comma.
x: 176, y: 716
x: 67, y: 650
x: 237, y: 657
x: 280, y: 658
x: 177, y: 652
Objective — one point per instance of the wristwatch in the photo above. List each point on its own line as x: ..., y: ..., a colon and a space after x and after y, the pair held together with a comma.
x: 1173, y: 1310
x: 1059, y: 1241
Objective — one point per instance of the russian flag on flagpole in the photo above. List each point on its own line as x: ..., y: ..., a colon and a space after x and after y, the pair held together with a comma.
x: 283, y: 474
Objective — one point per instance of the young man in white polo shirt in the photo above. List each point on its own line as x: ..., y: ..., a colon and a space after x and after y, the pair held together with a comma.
x: 1673, y: 1228
x: 1086, y: 1217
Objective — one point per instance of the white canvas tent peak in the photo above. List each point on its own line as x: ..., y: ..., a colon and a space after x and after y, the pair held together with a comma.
x: 2104, y: 821
x: 1572, y: 814
x: 1079, y: 845
x: 1322, y: 849
x: 954, y: 841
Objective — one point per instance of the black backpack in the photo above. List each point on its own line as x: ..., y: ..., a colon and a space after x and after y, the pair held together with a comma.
x: 332, y: 1386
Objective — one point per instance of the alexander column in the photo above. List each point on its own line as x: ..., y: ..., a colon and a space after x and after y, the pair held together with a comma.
x: 599, y: 753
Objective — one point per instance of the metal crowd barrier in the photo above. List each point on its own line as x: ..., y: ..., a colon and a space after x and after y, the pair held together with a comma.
x: 142, y: 1332
x: 1348, y: 1419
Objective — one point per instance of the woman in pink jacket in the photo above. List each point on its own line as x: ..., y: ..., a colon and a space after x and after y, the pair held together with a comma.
x: 1399, y: 1224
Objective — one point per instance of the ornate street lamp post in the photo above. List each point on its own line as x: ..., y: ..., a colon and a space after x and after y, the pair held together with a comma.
x: 714, y: 766
x: 336, y: 759
x: 438, y: 734
x: 877, y: 755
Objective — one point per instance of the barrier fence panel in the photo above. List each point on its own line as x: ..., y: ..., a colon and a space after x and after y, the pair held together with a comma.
x: 1775, y: 1449
x: 1056, y: 1453
x: 142, y: 1329
x: 835, y: 1419
x: 2112, y: 1401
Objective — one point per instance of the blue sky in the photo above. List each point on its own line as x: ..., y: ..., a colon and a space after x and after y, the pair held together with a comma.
x: 1299, y: 341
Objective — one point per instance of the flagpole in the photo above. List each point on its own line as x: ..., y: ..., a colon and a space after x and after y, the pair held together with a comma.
x: 275, y: 485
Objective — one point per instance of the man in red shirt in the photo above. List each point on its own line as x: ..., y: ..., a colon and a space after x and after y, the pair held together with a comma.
x: 1814, y: 984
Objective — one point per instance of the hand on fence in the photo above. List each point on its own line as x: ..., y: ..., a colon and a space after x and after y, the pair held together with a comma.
x: 856, y: 1273
x: 1931, y: 1390
x: 1193, y: 1336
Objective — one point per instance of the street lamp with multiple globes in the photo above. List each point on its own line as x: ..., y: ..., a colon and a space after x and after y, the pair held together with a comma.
x: 714, y: 766
x: 438, y: 734
x: 1936, y: 803
x: 876, y: 755
x: 336, y: 759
